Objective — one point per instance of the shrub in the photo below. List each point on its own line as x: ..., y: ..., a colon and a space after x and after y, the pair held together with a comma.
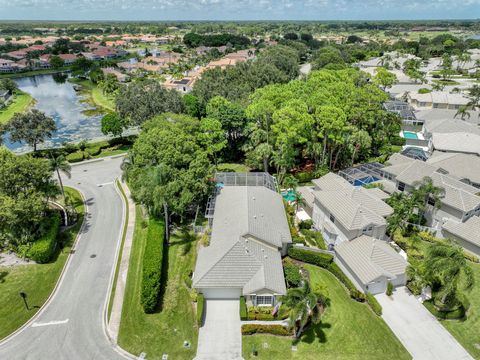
x: 314, y: 237
x: 311, y: 257
x: 43, y: 249
x: 292, y: 273
x: 306, y: 224
x: 200, y: 308
x: 424, y: 91
x: 298, y: 240
x: 93, y: 151
x: 373, y: 303
x: 250, y: 329
x: 389, y: 289
x: 243, y: 308
x: 446, y: 315
x: 304, y: 177
x: 152, y: 266
x: 260, y: 313
x: 75, y: 157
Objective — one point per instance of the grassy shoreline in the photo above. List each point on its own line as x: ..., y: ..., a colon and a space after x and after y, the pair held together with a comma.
x: 95, y: 95
x: 17, y: 75
x: 36, y: 280
x: 22, y: 102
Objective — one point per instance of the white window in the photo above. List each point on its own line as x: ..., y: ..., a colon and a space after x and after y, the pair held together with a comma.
x: 264, y: 300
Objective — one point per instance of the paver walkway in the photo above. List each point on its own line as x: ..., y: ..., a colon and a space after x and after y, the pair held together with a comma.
x: 418, y: 330
x: 220, y: 337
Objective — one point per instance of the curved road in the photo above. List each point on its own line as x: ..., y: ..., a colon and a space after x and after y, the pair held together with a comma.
x: 71, y: 326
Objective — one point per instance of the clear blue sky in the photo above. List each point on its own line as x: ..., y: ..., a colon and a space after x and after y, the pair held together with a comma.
x: 238, y: 9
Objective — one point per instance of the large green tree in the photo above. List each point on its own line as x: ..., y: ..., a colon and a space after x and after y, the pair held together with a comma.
x: 175, y: 146
x: 32, y: 127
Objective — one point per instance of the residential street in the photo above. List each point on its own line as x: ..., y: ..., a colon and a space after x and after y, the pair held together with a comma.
x: 418, y: 330
x: 71, y: 326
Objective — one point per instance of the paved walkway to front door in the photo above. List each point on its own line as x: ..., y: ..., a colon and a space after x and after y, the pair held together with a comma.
x: 220, y: 337
x: 418, y: 330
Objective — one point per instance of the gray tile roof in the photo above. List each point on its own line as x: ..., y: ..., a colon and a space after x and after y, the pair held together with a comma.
x: 468, y: 231
x: 463, y: 166
x: 354, y: 207
x: 307, y: 195
x: 249, y: 228
x: 432, y: 115
x: 450, y: 126
x: 463, y: 142
x: 370, y: 258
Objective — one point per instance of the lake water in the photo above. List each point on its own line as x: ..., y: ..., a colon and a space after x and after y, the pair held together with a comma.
x: 59, y: 100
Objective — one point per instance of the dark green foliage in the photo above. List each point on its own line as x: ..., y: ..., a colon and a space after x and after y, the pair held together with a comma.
x: 195, y: 40
x: 152, y: 265
x: 113, y: 124
x: 305, y: 224
x: 250, y: 329
x: 292, y: 273
x: 200, y: 308
x: 373, y: 303
x: 141, y: 101
x: 458, y: 313
x: 290, y: 36
x: 389, y: 289
x: 311, y: 257
x: 243, y: 308
x: 44, y: 248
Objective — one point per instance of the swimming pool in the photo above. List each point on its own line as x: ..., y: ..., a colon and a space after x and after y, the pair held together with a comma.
x: 288, y: 195
x: 365, y: 180
x: 410, y: 135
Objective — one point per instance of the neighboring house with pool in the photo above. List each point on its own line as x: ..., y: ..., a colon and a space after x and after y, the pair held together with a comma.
x: 249, y: 236
x: 343, y: 212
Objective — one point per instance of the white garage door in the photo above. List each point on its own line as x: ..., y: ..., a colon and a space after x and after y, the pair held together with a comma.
x: 377, y: 287
x: 222, y: 293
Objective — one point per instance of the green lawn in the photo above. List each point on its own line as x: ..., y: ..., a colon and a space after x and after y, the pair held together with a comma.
x: 467, y: 332
x: 165, y: 331
x: 37, y: 281
x: 349, y: 330
x: 20, y: 103
x: 95, y: 94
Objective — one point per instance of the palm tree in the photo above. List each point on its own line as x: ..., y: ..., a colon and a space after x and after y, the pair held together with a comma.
x: 60, y: 164
x: 297, y: 200
x: 445, y: 264
x: 462, y: 112
x: 305, y: 307
x: 159, y: 177
x: 416, y: 277
x: 426, y: 192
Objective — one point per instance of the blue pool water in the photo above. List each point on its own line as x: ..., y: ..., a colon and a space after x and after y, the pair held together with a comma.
x: 288, y: 195
x: 410, y: 135
x: 364, y: 181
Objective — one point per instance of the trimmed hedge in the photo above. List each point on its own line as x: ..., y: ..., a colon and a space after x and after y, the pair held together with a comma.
x: 311, y: 257
x: 314, y: 237
x: 260, y: 313
x: 445, y: 315
x: 292, y: 273
x: 152, y: 266
x: 43, y: 249
x: 243, y: 308
x: 374, y: 304
x: 250, y: 329
x: 93, y: 151
x: 200, y: 308
x: 340, y: 275
x: 75, y: 157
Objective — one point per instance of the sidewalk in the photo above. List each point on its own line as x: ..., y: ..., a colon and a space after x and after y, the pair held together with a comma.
x: 116, y: 314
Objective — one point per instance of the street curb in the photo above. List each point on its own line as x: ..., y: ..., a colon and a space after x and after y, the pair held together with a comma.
x: 59, y: 281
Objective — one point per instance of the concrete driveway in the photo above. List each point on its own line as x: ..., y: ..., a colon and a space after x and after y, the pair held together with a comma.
x: 220, y: 336
x: 418, y: 330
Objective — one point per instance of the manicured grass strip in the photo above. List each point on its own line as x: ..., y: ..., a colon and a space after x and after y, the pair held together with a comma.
x: 467, y: 332
x: 119, y: 260
x: 21, y: 102
x: 165, y: 330
x: 37, y: 281
x: 349, y: 330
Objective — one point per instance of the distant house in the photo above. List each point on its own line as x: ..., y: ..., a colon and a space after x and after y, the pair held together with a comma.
x: 371, y: 264
x: 184, y: 85
x: 343, y: 212
x: 460, y: 201
x: 7, y: 66
x: 120, y: 77
x: 250, y: 233
x: 4, y: 95
x: 437, y: 100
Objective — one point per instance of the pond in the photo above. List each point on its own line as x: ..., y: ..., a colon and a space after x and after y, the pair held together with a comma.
x: 57, y: 98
